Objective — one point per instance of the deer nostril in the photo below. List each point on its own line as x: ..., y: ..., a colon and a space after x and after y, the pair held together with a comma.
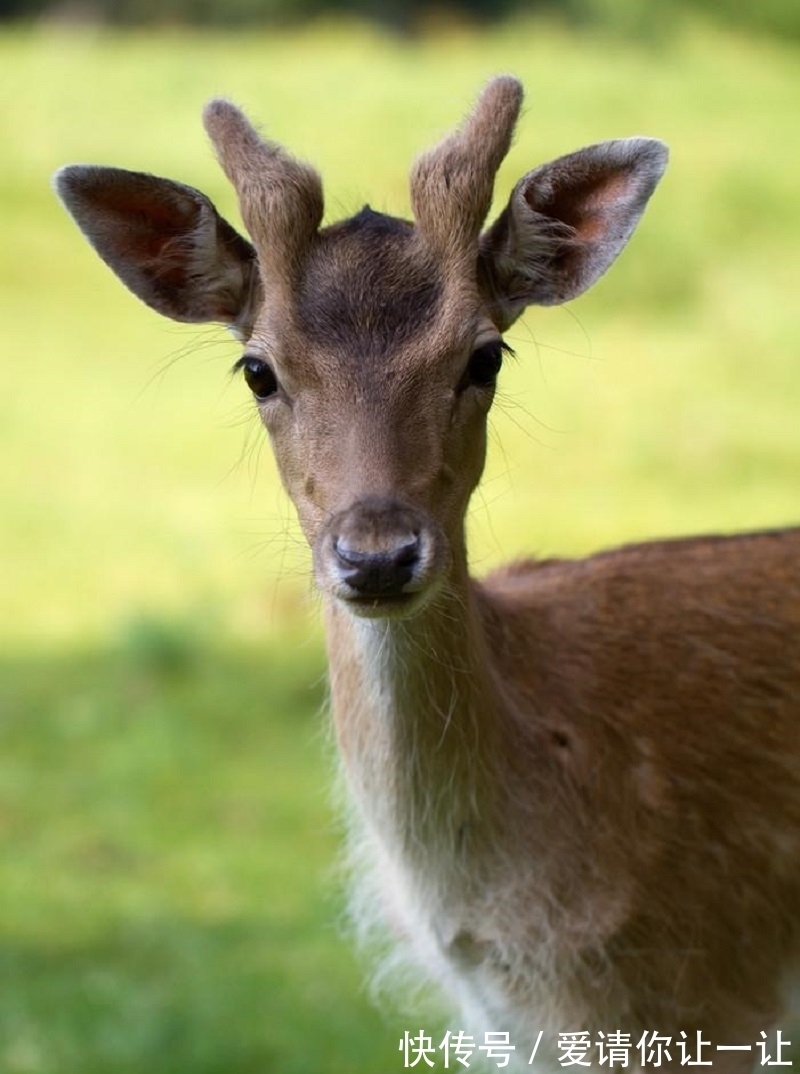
x: 377, y: 574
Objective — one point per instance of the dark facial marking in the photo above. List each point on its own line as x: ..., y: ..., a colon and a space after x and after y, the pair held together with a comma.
x: 366, y: 288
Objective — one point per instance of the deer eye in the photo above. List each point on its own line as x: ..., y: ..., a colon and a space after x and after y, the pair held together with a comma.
x: 483, y: 365
x: 259, y: 377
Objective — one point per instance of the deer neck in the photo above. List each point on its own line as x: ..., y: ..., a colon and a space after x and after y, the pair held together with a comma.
x: 416, y: 719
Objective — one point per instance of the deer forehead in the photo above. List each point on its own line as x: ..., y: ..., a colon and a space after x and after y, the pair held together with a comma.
x: 372, y: 304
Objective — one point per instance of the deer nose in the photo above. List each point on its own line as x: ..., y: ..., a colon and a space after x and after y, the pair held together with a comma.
x: 381, y: 573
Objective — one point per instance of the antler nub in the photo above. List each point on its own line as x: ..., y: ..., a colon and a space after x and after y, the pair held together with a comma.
x: 452, y: 183
x: 280, y: 198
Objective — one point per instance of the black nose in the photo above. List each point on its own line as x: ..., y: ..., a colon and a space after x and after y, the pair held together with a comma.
x: 377, y: 574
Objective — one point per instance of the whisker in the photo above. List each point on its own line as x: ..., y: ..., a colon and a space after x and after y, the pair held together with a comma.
x: 209, y: 338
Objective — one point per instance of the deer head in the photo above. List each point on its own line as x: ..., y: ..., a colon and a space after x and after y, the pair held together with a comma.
x: 372, y: 346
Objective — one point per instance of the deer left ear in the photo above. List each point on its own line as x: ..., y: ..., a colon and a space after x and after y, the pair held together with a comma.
x: 565, y: 223
x: 165, y: 241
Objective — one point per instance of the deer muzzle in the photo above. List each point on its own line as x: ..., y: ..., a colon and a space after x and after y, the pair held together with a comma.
x: 380, y: 557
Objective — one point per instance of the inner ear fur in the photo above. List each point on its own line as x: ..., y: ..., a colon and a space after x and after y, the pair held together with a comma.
x: 565, y: 223
x: 165, y: 241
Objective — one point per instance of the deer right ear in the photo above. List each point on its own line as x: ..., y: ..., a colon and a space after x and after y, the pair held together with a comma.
x: 166, y: 242
x: 565, y: 223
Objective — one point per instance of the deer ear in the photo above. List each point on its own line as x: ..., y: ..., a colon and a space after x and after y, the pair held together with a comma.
x: 165, y: 241
x: 565, y: 223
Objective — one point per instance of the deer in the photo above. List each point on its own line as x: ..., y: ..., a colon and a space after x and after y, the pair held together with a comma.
x: 575, y: 783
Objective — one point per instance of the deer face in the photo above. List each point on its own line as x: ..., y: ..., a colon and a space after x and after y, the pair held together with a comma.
x: 372, y: 346
x: 374, y: 386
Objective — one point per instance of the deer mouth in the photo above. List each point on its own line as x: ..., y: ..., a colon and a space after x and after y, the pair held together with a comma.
x: 391, y: 606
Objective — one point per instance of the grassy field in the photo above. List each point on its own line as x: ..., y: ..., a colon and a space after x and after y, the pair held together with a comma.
x: 166, y: 866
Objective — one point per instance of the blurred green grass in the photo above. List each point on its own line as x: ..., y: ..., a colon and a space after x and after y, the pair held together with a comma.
x: 165, y: 871
x: 164, y: 801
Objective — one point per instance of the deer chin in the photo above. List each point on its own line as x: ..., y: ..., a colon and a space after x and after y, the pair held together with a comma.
x: 391, y: 606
